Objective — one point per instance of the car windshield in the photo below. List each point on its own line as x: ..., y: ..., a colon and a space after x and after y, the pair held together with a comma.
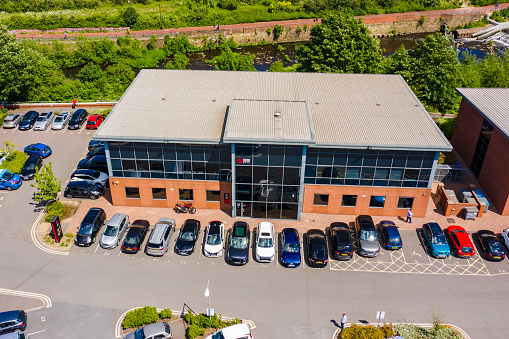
x: 27, y: 118
x: 96, y: 175
x: 240, y: 243
x: 140, y: 334
x: 131, y: 240
x: 466, y: 249
x: 394, y: 240
x: 213, y: 239
x: 495, y: 246
x: 439, y: 240
x: 6, y: 121
x: 111, y: 231
x: 85, y: 229
x: 292, y: 248
x: 90, y: 187
x: 318, y: 251
x: 368, y: 235
x: 29, y: 166
x: 7, y: 175
x: 265, y: 242
x: 41, y: 119
x: 218, y: 335
x: 187, y: 235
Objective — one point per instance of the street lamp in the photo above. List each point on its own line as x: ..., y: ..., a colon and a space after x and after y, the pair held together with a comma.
x: 207, y: 294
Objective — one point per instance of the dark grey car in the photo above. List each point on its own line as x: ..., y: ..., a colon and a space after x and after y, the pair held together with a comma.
x: 368, y: 239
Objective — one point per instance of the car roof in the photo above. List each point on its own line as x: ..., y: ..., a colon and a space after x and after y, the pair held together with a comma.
x: 291, y: 234
x: 11, y: 335
x: 93, y: 213
x: 153, y: 329
x: 94, y: 117
x: 366, y: 222
x: 9, y: 315
x: 31, y: 113
x: 265, y: 227
x: 11, y: 115
x: 32, y: 158
x: 215, y: 222
x: 39, y: 145
x: 315, y: 233
x: 116, y: 219
x: 235, y: 330
x: 434, y: 226
x: 84, y: 171
x: 214, y: 228
x: 392, y: 231
x: 158, y: 231
x: 46, y: 112
x: 82, y: 184
x: 2, y: 171
x: 141, y: 222
x: 387, y: 223
x: 63, y: 113
x: 240, y: 229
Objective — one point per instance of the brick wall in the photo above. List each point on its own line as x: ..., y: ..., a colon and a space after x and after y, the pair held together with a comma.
x: 421, y: 197
x: 466, y: 131
x: 117, y: 186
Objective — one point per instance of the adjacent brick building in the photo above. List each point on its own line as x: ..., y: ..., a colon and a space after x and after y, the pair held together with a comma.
x: 481, y: 138
x: 272, y: 145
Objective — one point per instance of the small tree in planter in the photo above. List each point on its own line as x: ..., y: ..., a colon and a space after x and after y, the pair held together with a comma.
x: 47, y: 185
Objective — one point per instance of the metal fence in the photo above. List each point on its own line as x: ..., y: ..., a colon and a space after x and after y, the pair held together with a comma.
x: 448, y: 173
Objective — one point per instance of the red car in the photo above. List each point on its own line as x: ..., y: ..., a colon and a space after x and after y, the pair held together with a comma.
x: 460, y: 241
x: 94, y: 121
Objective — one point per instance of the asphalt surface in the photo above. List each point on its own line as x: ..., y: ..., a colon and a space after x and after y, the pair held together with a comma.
x: 91, y: 287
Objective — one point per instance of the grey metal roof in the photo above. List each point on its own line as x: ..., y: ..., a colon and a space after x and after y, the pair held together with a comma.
x: 492, y: 103
x: 259, y: 121
x: 347, y: 110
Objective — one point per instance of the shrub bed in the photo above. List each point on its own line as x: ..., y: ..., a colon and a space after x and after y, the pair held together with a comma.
x: 15, y: 163
x: 54, y: 208
x: 198, y: 323
x: 144, y: 316
x: 409, y: 331
x: 367, y: 332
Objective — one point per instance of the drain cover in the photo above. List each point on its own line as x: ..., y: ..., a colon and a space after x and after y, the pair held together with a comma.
x: 451, y: 220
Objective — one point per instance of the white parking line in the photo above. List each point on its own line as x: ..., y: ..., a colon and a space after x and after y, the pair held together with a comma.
x: 44, y: 298
x: 49, y: 129
x: 96, y: 248
x: 31, y: 334
x: 82, y: 128
x: 37, y: 242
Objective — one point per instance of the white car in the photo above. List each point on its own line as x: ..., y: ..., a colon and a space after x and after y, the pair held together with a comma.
x: 12, y: 120
x: 214, y: 239
x: 265, y: 241
x: 238, y: 331
x: 505, y: 235
x: 43, y: 121
x: 61, y: 120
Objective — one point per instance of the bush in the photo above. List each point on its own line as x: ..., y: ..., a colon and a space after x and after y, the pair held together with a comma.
x: 166, y: 313
x: 140, y: 317
x: 130, y: 16
x: 54, y: 208
x: 202, y: 321
x: 194, y: 331
x: 15, y: 163
x: 409, y: 331
x: 447, y: 126
x: 367, y: 332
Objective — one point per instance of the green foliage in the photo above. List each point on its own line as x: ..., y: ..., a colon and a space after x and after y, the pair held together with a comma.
x: 46, y: 184
x: 130, y: 16
x: 3, y: 113
x: 90, y: 73
x: 341, y: 44
x: 194, y: 331
x: 298, y: 30
x: 166, y: 313
x: 14, y: 162
x: 177, y: 45
x: 152, y: 43
x: 421, y: 21
x: 54, y: 208
x: 277, y: 31
x: 268, y: 31
x: 179, y: 61
x: 367, y: 332
x: 230, y: 61
x: 230, y: 5
x: 279, y: 66
x: 100, y: 111
x: 202, y: 321
x: 140, y: 317
x: 9, y: 149
x: 409, y: 331
x: 481, y: 23
x: 447, y: 126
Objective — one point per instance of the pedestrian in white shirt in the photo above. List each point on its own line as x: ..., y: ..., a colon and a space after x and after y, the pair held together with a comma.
x: 343, y: 321
x: 409, y: 216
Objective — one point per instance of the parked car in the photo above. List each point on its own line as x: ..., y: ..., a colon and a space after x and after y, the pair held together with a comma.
x: 187, y: 237
x: 159, y: 239
x: 61, y: 120
x: 237, y: 331
x: 490, y: 245
x: 83, y: 189
x: 114, y: 230
x: 213, y: 239
x: 341, y: 241
x: 96, y: 151
x: 77, y: 119
x: 97, y: 163
x: 12, y: 120
x: 366, y: 234
x: 135, y: 236
x: 505, y: 236
x: 317, y: 248
x: 90, y: 226
x: 434, y: 240
x: 13, y: 321
x: 460, y: 240
x: 38, y: 149
x: 94, y: 121
x: 28, y: 120
x: 290, y: 248
x: 14, y: 335
x: 390, y: 235
x: 9, y: 181
x: 31, y: 166
x: 94, y: 144
x: 154, y: 331
x: 91, y: 176
x: 265, y: 242
x: 238, y: 246
x: 43, y: 121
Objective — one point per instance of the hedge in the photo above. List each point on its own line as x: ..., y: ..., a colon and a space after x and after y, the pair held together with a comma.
x: 15, y: 164
x: 166, y: 313
x: 198, y: 323
x: 367, y: 332
x: 141, y: 316
x: 54, y: 208
x: 409, y: 331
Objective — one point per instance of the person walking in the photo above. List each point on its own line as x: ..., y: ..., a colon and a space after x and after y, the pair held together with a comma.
x: 343, y: 321
x: 73, y: 103
x: 409, y: 216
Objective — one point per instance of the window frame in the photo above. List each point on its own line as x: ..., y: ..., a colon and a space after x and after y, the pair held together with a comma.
x: 133, y: 188
x: 319, y: 196
x: 411, y: 205
x: 162, y: 189
x: 181, y: 191
x: 350, y: 195
x: 207, y: 195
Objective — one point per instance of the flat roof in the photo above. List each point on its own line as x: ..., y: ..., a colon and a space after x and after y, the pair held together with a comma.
x: 377, y: 111
x: 491, y: 103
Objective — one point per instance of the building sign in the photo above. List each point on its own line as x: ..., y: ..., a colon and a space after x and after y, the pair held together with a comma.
x: 243, y: 161
x: 227, y: 198
x: 56, y: 229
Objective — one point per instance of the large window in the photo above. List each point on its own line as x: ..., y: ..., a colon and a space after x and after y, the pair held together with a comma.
x: 185, y: 194
x: 377, y: 201
x: 213, y: 196
x: 405, y: 202
x: 170, y: 161
x: 159, y: 193
x: 321, y: 200
x: 481, y: 148
x: 132, y: 192
x: 349, y: 200
x: 327, y: 166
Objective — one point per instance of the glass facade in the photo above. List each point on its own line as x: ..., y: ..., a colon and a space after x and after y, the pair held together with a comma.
x: 267, y: 181
x: 170, y: 161
x: 328, y: 166
x: 481, y: 148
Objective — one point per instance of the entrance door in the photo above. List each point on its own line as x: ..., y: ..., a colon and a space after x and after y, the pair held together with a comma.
x: 243, y: 209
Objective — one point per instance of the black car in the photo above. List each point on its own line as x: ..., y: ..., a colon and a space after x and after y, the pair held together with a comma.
x: 83, y: 189
x: 135, y: 236
x: 77, y: 119
x: 490, y: 245
x: 96, y: 151
x: 187, y: 237
x: 341, y: 241
x: 97, y: 163
x: 238, y: 246
x: 28, y: 120
x: 93, y: 144
x: 90, y: 226
x: 31, y: 166
x: 390, y: 235
x: 11, y: 321
x: 317, y: 248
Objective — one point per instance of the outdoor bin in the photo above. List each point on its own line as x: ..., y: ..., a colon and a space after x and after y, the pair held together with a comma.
x: 471, y: 213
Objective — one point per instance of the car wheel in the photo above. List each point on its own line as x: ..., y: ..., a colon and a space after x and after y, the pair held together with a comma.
x: 93, y: 197
x: 93, y: 239
x: 69, y: 196
x: 9, y: 188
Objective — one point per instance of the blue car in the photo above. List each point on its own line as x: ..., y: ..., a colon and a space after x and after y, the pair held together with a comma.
x: 390, y: 235
x: 435, y: 240
x: 290, y: 248
x: 9, y: 181
x: 38, y: 149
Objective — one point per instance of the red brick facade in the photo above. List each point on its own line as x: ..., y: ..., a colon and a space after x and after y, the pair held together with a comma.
x: 466, y: 132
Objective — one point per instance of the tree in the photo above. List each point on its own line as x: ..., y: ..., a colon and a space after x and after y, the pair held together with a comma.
x: 230, y: 61
x: 179, y: 61
x: 90, y: 73
x: 47, y: 185
x: 341, y: 44
x: 9, y: 149
x: 130, y: 16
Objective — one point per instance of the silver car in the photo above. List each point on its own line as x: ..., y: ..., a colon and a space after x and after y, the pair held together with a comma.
x: 90, y: 175
x: 153, y: 331
x: 159, y: 239
x: 115, y: 229
x: 61, y: 120
x: 43, y: 121
x: 12, y: 120
x: 368, y: 239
